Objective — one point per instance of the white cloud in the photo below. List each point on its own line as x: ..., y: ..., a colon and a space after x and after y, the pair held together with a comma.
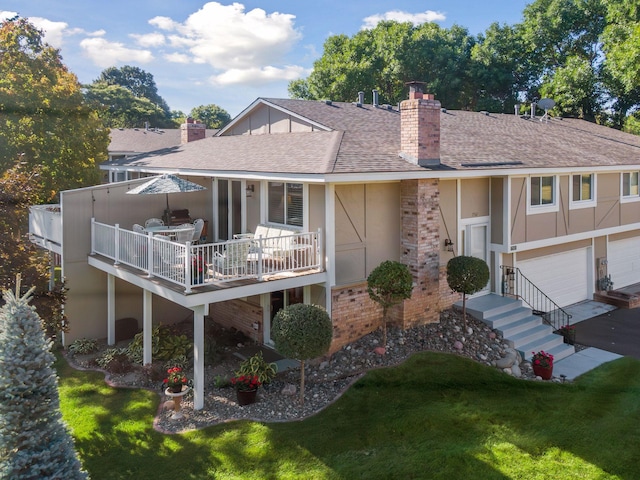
x: 226, y: 37
x: 6, y: 14
x: 106, y: 54
x: 177, y: 58
x: 257, y: 75
x: 399, y: 16
x: 149, y: 39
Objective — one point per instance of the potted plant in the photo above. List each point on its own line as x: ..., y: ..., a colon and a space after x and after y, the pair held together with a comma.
x: 197, y: 270
x: 542, y: 363
x: 569, y: 333
x: 175, y: 380
x: 246, y: 388
x: 258, y: 366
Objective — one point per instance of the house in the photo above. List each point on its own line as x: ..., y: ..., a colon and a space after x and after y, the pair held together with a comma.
x: 351, y: 185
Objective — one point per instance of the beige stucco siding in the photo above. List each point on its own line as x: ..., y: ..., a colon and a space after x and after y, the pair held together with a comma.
x: 474, y: 197
x: 264, y: 120
x: 569, y: 220
x: 316, y: 208
x: 365, y: 212
x: 448, y: 218
x: 497, y: 209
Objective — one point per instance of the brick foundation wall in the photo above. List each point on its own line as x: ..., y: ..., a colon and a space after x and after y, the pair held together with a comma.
x: 239, y: 315
x: 447, y: 296
x: 353, y: 314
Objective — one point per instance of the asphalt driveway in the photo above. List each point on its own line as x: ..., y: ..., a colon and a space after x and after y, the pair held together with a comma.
x: 617, y: 331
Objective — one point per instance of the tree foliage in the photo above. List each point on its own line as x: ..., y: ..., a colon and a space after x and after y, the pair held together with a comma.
x: 34, y: 441
x: 389, y: 284
x: 211, y: 115
x: 467, y: 275
x: 143, y: 103
x: 44, y: 122
x: 302, y: 332
x: 582, y: 53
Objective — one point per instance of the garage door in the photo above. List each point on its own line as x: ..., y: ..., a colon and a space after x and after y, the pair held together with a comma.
x: 624, y: 262
x: 563, y: 277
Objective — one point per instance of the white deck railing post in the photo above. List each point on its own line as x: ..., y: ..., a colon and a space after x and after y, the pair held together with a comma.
x: 116, y: 253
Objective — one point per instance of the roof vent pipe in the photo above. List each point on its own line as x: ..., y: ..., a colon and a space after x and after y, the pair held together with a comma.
x: 516, y: 109
x: 375, y: 97
x: 533, y: 109
x: 360, y: 98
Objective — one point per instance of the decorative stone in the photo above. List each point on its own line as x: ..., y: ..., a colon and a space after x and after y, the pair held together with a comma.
x: 507, y: 361
x: 289, y: 389
x: 492, y: 335
x: 469, y: 331
x: 507, y: 371
x: 515, y: 370
x: 458, y: 345
x: 380, y: 350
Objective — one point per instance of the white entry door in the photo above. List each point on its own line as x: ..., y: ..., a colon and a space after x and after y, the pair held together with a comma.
x: 476, y: 242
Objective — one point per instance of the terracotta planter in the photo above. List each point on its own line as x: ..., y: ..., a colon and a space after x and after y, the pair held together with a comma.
x: 544, y: 372
x: 246, y: 397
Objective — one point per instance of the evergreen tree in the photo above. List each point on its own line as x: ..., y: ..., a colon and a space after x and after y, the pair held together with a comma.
x: 34, y: 441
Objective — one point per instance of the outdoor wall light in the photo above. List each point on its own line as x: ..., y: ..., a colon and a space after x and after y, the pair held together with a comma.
x: 250, y: 190
x: 448, y: 245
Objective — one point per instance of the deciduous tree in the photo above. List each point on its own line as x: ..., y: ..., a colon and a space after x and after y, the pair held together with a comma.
x: 211, y: 115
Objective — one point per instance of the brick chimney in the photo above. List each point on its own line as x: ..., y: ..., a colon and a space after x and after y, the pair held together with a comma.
x: 420, y: 127
x: 191, y: 131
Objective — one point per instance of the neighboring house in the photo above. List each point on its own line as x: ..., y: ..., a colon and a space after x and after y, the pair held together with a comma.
x: 127, y: 142
x: 557, y: 198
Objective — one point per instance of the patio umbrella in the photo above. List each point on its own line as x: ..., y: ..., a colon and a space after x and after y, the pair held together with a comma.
x: 166, y: 184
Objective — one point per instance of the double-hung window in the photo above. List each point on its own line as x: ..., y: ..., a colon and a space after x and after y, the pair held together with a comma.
x: 285, y: 203
x: 542, y: 194
x: 630, y: 191
x: 583, y: 188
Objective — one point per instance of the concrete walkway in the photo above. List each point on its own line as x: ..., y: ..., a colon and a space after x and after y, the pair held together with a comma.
x: 592, y: 314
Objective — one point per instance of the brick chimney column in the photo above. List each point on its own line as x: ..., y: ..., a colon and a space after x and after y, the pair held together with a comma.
x: 420, y: 127
x: 192, y: 130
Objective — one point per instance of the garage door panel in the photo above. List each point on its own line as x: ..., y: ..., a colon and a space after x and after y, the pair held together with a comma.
x: 624, y: 262
x: 563, y: 277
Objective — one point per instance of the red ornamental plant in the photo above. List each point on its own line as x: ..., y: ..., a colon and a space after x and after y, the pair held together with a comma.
x: 175, y: 378
x: 567, y: 329
x: 245, y: 382
x: 542, y: 359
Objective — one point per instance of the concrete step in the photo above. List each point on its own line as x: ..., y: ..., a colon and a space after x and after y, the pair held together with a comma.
x: 546, y: 343
x: 504, y: 319
x: 489, y: 305
x: 520, y: 325
x: 533, y: 334
x: 562, y: 351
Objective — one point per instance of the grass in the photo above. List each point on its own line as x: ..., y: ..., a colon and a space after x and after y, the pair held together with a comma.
x: 436, y: 416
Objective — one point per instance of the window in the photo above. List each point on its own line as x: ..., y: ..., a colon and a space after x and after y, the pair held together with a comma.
x: 542, y: 194
x: 630, y: 185
x: 583, y: 190
x: 285, y: 203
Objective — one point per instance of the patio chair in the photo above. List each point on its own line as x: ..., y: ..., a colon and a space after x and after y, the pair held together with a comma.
x: 198, y: 225
x: 139, y: 228
x: 233, y: 262
x: 153, y: 222
x: 186, y: 235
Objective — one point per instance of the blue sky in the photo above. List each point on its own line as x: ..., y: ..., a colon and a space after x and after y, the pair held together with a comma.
x: 222, y: 52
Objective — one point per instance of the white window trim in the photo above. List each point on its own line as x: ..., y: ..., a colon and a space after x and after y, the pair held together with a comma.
x: 549, y: 208
x: 630, y: 198
x: 576, y: 204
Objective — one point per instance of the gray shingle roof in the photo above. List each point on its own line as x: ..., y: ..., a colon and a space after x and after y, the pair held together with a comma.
x: 367, y: 139
x: 140, y: 140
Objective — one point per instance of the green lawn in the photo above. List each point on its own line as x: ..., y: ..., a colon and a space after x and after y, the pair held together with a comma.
x: 436, y: 416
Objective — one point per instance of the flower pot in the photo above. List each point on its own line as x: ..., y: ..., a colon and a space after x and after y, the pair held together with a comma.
x: 175, y: 388
x: 246, y: 397
x: 544, y: 372
x: 570, y: 337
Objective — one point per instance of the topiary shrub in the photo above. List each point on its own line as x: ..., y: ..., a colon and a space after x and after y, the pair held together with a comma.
x: 302, y: 332
x: 389, y: 284
x: 467, y: 275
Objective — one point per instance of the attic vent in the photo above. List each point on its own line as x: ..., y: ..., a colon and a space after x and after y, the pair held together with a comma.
x: 484, y: 112
x: 328, y: 102
x: 443, y: 110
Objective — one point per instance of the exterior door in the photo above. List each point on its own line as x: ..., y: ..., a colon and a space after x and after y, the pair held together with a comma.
x: 229, y: 208
x: 476, y: 242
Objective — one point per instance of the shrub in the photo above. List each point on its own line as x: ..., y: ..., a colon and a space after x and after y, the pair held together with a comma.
x: 302, y: 332
x: 83, y: 346
x: 467, y: 275
x: 389, y: 284
x: 165, y: 345
x: 115, y: 360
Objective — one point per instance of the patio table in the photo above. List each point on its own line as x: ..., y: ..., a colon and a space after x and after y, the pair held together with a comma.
x: 171, y: 231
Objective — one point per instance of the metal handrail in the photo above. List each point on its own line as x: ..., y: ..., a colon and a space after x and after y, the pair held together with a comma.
x: 516, y: 284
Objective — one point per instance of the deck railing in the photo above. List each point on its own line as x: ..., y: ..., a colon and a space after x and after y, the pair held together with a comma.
x: 45, y: 226
x: 514, y: 283
x: 196, y: 265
